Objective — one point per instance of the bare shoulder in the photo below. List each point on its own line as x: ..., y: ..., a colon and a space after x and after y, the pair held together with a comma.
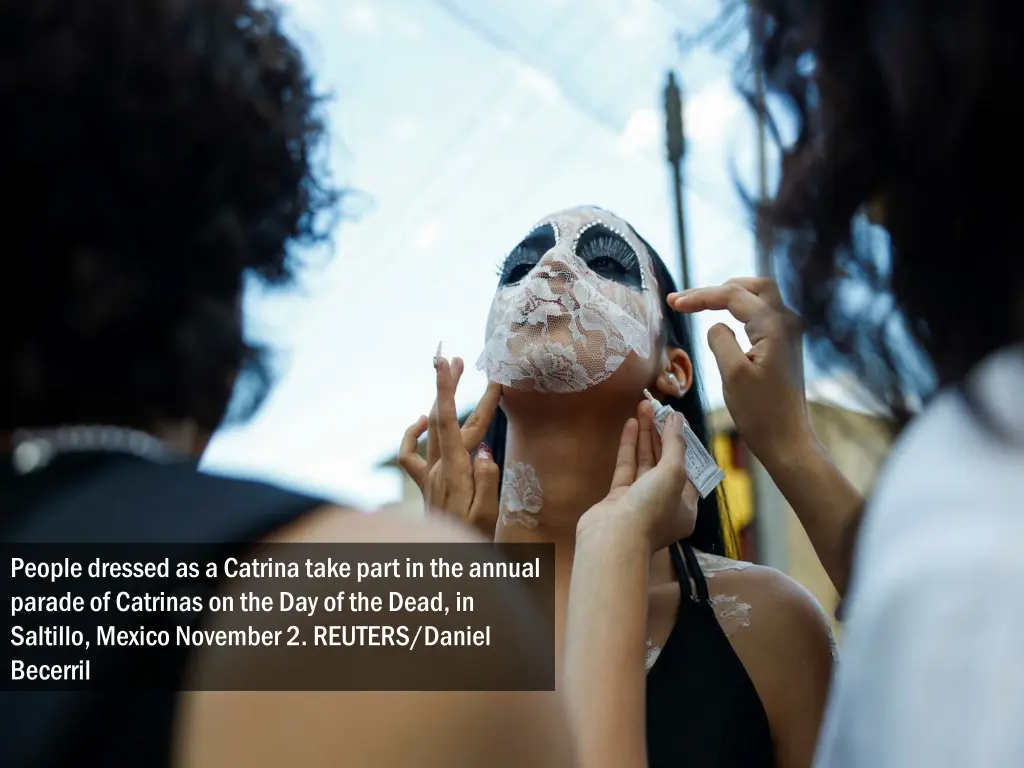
x: 328, y: 728
x: 325, y: 729
x: 333, y: 524
x: 773, y: 605
x: 783, y: 638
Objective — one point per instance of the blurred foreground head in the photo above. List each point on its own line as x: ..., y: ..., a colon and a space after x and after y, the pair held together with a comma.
x: 154, y: 152
x: 912, y: 111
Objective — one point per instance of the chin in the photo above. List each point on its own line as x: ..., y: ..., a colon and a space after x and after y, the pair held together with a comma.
x: 634, y: 376
x: 628, y: 381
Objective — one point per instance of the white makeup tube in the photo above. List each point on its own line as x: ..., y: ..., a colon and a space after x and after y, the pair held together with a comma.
x: 704, y: 473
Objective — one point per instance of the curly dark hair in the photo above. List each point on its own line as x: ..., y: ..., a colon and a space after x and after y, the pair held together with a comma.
x: 155, y: 152
x: 911, y: 108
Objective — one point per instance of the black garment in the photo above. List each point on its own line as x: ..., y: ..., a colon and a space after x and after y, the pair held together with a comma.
x: 702, y: 708
x: 93, y: 498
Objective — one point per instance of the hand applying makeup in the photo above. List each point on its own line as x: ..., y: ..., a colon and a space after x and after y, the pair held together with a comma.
x: 650, y: 493
x: 451, y: 480
x: 650, y: 505
x: 764, y: 392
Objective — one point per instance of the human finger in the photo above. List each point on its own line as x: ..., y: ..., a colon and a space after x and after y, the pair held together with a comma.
x: 779, y: 320
x: 483, y: 512
x: 656, y: 441
x: 733, y: 298
x: 644, y: 443
x: 409, y: 459
x: 673, y: 449
x: 458, y: 368
x: 433, y: 446
x: 434, y: 494
x: 764, y: 287
x: 449, y: 436
x: 731, y: 360
x: 476, y: 425
x: 625, y: 461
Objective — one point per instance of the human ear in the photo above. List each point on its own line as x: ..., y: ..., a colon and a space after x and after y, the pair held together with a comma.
x: 676, y: 375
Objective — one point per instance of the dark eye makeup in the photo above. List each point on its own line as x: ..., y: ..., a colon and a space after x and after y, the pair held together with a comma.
x: 526, y: 255
x: 604, y: 251
x: 609, y: 256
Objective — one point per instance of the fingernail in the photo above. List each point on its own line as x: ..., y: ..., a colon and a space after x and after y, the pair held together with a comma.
x: 483, y: 452
x: 437, y: 356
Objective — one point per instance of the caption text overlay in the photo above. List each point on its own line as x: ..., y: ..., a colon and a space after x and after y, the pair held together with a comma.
x: 297, y: 617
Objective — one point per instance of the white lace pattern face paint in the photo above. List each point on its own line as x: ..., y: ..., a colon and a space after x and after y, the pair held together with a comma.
x: 521, y: 495
x: 577, y: 296
x: 712, y: 564
x: 731, y: 612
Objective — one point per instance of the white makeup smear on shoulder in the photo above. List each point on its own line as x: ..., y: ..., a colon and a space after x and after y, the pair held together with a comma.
x: 521, y: 495
x: 712, y: 564
x: 731, y: 612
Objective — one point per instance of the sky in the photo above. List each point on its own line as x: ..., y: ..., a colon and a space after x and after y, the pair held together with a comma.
x: 460, y: 124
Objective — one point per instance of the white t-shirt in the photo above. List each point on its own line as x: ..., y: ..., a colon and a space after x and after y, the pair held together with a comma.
x: 931, y: 672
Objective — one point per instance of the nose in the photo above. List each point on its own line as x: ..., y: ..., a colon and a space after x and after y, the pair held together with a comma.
x: 556, y: 266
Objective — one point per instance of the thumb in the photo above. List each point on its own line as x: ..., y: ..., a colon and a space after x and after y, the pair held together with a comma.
x: 673, y: 446
x: 483, y: 512
x: 727, y: 352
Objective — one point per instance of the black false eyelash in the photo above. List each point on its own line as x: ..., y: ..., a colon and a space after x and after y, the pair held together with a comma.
x: 609, y: 246
x: 529, y: 251
x: 521, y: 255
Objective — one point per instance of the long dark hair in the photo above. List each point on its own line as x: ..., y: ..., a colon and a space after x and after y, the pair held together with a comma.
x: 912, y: 108
x: 713, y: 529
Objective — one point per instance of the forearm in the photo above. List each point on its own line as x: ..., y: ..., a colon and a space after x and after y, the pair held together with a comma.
x: 824, y: 500
x: 604, y: 648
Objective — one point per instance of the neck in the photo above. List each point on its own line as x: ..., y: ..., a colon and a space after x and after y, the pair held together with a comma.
x: 573, y: 454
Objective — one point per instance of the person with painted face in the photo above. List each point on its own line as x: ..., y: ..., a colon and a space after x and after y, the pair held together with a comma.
x: 737, y: 657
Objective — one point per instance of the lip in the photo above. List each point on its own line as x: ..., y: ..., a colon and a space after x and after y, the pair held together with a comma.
x: 559, y: 322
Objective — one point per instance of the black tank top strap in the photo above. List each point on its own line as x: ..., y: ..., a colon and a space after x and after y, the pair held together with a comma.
x: 685, y: 586
x: 683, y: 552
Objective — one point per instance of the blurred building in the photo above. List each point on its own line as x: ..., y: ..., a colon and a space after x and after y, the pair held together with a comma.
x: 767, y: 530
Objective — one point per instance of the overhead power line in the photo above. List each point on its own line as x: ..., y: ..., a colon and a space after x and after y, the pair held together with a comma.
x: 727, y: 27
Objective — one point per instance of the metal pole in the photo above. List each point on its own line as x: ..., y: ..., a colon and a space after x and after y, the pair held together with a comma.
x: 764, y: 251
x: 676, y: 145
